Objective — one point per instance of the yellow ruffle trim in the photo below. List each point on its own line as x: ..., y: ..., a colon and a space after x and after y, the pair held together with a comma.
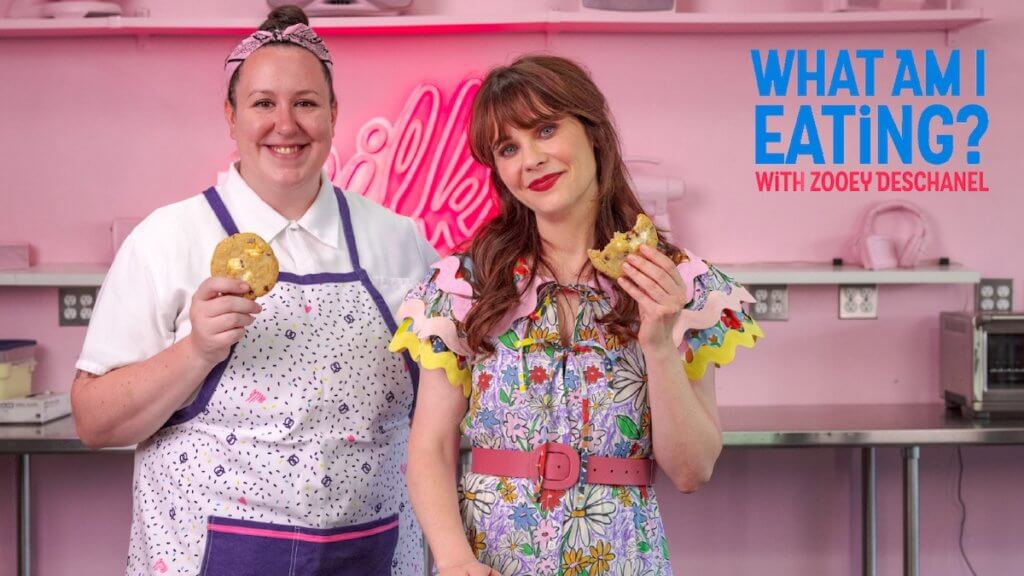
x: 723, y: 354
x: 421, y: 351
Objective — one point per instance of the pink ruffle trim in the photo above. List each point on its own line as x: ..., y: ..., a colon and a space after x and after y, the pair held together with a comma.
x: 439, y: 326
x: 461, y: 294
x: 690, y: 270
x: 710, y: 314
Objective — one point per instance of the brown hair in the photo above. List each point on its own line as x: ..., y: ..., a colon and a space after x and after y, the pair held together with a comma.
x: 535, y: 90
x: 279, y: 19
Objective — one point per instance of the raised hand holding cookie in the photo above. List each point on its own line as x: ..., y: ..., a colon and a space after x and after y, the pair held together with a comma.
x: 652, y: 279
x: 243, y: 268
x: 249, y: 258
x: 219, y: 315
x: 609, y: 260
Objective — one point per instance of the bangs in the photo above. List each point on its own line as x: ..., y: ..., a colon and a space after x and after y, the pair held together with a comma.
x: 514, y: 104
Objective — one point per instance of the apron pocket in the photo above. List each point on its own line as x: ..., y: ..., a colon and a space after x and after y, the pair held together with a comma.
x: 243, y: 548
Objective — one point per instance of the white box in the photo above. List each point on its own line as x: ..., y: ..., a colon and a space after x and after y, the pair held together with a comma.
x: 35, y: 409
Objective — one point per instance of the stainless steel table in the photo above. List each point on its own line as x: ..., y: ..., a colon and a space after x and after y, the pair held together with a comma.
x: 57, y: 437
x: 908, y: 426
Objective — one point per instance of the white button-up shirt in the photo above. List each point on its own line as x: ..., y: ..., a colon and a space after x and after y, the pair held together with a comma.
x: 143, y: 305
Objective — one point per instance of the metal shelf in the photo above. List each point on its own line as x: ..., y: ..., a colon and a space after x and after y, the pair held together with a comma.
x: 746, y: 273
x: 55, y: 275
x: 544, y: 22
x: 826, y: 274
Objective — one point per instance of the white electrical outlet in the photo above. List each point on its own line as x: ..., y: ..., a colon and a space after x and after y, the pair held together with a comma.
x: 994, y: 296
x: 858, y: 301
x: 772, y: 302
x: 75, y: 305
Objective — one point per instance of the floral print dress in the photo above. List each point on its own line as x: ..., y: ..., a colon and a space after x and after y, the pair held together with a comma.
x: 590, y: 394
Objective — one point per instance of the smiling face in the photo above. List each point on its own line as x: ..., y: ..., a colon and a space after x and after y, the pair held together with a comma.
x: 550, y: 168
x: 283, y: 121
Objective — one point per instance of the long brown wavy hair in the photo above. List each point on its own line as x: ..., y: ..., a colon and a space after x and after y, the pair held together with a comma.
x: 535, y: 90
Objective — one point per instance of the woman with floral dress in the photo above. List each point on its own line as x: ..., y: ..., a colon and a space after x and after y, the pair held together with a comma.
x: 566, y: 383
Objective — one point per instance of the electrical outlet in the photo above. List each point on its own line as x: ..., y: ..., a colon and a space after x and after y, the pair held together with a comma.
x: 994, y: 296
x: 772, y: 302
x: 859, y: 301
x: 75, y: 305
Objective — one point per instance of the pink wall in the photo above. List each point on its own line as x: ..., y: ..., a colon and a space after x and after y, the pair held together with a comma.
x: 112, y: 127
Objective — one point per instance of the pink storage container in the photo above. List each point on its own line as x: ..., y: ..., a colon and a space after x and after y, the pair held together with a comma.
x: 13, y: 256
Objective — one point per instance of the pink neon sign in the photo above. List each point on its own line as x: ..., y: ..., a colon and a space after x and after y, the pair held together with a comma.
x: 420, y: 166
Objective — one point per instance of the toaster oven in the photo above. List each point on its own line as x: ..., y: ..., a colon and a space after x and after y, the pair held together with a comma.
x: 982, y: 363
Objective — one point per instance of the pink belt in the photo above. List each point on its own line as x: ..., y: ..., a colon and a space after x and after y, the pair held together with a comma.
x: 558, y: 467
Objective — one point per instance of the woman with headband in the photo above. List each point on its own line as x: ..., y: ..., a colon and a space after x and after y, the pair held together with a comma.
x: 271, y: 433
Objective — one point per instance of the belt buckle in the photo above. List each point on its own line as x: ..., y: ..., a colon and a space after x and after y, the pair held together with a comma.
x: 556, y: 457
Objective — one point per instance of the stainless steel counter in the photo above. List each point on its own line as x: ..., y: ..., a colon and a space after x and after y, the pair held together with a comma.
x: 860, y: 425
x: 869, y: 427
x: 863, y: 426
x: 57, y: 437
x: 744, y: 427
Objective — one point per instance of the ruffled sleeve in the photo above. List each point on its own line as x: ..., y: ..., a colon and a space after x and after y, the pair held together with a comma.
x: 430, y: 320
x: 713, y: 323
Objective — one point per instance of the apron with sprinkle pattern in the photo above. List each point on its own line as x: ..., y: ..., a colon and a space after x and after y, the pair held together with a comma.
x: 291, y: 459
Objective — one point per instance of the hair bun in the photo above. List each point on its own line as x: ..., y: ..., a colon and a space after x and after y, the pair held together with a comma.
x: 283, y: 17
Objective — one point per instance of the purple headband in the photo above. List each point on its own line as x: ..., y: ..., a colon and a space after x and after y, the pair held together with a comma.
x: 297, y: 34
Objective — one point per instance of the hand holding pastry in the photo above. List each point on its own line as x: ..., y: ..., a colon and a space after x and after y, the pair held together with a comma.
x: 652, y: 279
x: 246, y: 257
x: 609, y: 260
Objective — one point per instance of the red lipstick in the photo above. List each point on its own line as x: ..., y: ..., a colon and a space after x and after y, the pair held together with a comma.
x: 544, y: 183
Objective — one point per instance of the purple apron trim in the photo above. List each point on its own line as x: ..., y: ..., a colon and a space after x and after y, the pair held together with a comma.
x: 350, y: 235
x: 321, y: 278
x: 385, y: 312
x: 203, y: 398
x: 356, y: 275
x: 382, y: 306
x: 221, y: 211
x: 371, y: 526
x: 242, y: 548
